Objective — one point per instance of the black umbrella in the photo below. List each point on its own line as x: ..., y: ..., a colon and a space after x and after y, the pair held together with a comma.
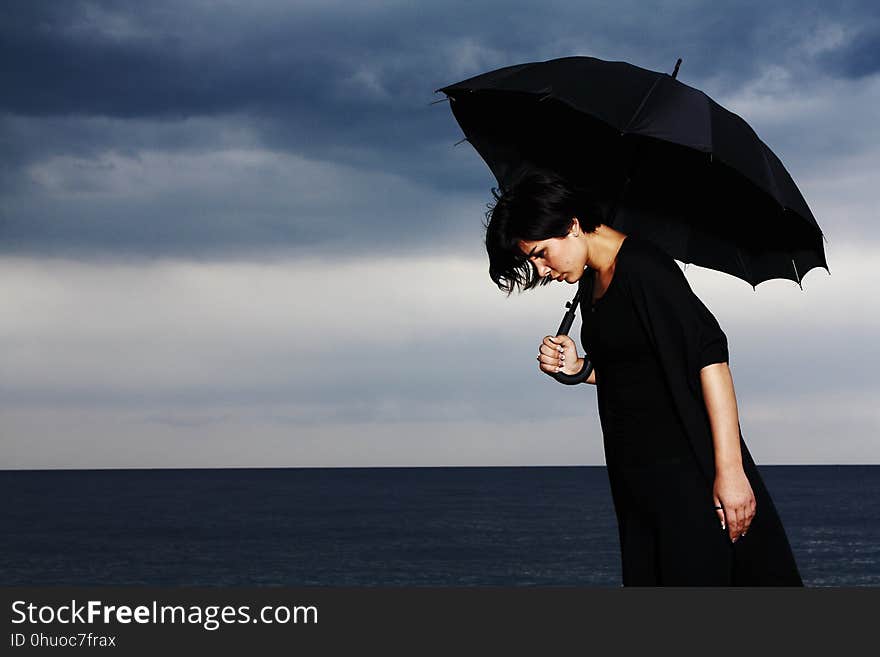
x: 676, y: 167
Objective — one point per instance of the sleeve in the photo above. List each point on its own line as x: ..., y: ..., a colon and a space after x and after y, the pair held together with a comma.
x: 713, y: 347
x: 666, y: 291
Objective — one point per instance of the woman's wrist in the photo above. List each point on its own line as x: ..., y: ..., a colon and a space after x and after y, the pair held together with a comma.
x: 728, y: 467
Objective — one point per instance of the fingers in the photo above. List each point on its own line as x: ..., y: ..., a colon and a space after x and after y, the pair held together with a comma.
x: 751, y: 507
x: 719, y: 512
x: 735, y: 521
x: 732, y: 518
x: 561, y: 340
x: 739, y: 519
x: 550, y: 364
x: 551, y: 356
x: 550, y: 361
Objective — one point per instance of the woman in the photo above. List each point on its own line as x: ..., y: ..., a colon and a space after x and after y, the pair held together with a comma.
x: 691, y: 506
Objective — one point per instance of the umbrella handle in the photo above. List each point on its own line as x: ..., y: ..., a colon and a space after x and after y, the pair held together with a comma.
x: 574, y: 379
x: 564, y: 328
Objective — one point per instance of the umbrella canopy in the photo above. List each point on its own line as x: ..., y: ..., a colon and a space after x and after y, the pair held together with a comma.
x: 677, y: 167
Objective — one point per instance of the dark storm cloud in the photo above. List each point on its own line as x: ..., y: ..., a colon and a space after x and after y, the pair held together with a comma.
x: 134, y: 59
x: 859, y: 57
x: 347, y: 83
x: 64, y: 66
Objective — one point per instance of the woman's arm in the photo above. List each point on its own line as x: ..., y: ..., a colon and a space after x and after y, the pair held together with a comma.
x: 718, y: 393
x: 732, y: 489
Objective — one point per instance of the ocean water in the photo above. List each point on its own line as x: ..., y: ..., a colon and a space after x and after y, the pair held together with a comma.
x: 514, y: 526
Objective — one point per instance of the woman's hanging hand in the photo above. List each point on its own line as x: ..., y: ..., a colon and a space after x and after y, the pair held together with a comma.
x: 733, y: 492
x: 559, y: 354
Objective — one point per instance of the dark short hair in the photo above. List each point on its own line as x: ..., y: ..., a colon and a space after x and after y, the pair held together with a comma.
x: 539, y: 205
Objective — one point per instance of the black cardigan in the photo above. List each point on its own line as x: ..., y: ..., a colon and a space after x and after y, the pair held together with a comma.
x: 684, y: 333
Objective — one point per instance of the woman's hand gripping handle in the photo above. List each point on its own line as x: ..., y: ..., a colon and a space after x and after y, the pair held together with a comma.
x: 557, y: 356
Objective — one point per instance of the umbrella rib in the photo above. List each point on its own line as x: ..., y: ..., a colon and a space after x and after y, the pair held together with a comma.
x: 642, y: 104
x: 769, y: 169
x: 797, y: 276
x: 745, y: 267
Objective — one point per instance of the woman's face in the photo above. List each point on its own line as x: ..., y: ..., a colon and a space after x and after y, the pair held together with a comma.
x: 561, y: 258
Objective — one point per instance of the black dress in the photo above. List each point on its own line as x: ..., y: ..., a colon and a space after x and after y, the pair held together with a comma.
x: 669, y: 532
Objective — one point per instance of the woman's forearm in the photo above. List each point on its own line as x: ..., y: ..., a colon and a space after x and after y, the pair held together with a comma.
x: 720, y: 399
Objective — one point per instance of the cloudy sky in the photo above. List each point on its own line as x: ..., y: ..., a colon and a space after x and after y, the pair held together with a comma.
x: 239, y: 234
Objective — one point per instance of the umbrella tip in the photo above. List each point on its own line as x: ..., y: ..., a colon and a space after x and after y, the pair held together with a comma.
x: 677, y: 64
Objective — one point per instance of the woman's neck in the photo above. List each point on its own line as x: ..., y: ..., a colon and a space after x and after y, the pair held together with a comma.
x: 604, y: 243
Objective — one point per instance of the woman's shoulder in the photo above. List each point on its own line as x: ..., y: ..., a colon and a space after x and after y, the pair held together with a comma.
x: 642, y: 256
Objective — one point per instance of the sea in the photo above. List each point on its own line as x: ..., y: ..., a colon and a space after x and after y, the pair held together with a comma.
x: 382, y: 527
